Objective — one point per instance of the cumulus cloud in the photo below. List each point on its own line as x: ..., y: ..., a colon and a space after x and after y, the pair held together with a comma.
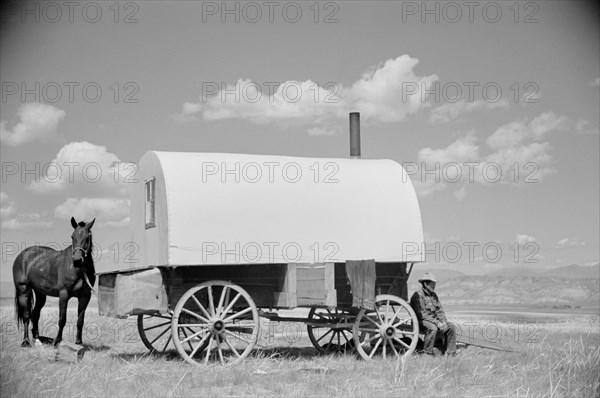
x: 434, y: 162
x: 514, y: 133
x: 516, y: 154
x: 582, y: 126
x: 20, y: 222
x: 379, y: 95
x: 36, y: 122
x: 523, y: 239
x: 454, y: 110
x: 108, y: 211
x: 27, y: 222
x: 86, y: 169
x: 7, y: 206
x: 568, y: 243
x: 464, y: 149
x: 324, y: 130
x: 188, y: 112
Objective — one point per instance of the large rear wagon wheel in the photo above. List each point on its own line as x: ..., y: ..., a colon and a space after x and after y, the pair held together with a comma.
x: 330, y: 331
x: 215, y: 321
x: 390, y: 330
x: 155, y: 332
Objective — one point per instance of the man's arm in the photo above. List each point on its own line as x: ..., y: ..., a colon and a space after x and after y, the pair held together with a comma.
x: 440, y: 313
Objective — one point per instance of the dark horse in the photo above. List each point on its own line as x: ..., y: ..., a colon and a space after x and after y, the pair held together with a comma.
x: 61, y: 274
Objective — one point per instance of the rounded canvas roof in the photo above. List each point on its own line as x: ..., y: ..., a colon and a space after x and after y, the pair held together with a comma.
x: 235, y: 208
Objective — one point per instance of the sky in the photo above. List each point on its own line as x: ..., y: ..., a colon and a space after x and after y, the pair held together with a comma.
x: 492, y: 107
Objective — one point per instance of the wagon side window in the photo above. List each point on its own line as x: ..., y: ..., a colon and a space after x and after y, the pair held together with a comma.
x: 150, y: 204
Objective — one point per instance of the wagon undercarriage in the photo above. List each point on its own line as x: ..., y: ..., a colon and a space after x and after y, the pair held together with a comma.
x: 218, y: 320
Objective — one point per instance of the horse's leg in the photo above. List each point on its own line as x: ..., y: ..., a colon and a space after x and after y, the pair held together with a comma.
x: 40, y: 300
x: 83, y: 302
x: 24, y: 307
x: 63, y: 301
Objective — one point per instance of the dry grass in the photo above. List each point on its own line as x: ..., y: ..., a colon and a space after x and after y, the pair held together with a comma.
x: 564, y: 362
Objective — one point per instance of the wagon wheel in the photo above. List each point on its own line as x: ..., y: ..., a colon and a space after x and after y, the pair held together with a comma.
x: 217, y: 320
x: 391, y: 329
x: 155, y: 331
x: 335, y: 333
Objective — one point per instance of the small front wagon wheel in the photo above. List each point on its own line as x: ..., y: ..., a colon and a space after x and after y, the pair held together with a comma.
x: 390, y: 330
x: 330, y: 331
x: 215, y: 320
x: 155, y: 332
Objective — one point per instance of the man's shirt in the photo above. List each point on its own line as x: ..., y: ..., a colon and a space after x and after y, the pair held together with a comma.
x: 427, y: 306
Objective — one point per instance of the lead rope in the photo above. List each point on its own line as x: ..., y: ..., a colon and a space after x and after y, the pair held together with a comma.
x: 89, y: 284
x: 87, y: 280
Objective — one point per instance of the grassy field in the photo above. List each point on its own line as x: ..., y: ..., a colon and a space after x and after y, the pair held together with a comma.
x: 559, y: 356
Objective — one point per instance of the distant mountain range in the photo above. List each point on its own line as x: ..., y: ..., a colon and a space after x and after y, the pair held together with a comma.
x: 570, y: 285
x: 572, y: 271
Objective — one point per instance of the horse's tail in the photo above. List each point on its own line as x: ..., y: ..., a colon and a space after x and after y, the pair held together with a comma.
x: 20, y: 280
x: 18, y: 309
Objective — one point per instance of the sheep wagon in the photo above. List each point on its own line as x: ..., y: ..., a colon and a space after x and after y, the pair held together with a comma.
x: 226, y: 239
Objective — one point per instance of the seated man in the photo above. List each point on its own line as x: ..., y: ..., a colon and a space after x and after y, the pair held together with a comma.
x: 432, y: 320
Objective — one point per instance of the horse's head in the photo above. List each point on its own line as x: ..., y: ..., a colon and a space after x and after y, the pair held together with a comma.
x: 81, y: 240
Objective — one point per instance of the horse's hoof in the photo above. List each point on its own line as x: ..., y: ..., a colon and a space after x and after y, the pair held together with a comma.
x: 26, y: 343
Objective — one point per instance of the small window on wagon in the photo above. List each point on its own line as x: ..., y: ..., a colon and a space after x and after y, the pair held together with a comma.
x: 150, y: 204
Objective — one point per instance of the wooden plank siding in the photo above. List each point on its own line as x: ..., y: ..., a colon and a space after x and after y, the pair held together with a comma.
x: 269, y: 285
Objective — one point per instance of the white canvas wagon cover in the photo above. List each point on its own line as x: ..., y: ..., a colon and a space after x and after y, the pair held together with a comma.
x: 218, y: 209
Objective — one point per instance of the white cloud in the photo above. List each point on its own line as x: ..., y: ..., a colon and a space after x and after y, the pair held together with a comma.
x: 464, y: 149
x: 452, y: 111
x: 518, y: 156
x: 521, y: 164
x: 7, y: 206
x: 86, y: 169
x: 569, y: 242
x: 378, y: 94
x: 27, y: 222
x: 188, y: 112
x: 36, y: 122
x: 108, y: 211
x: 581, y: 127
x: 514, y: 133
x: 461, y: 151
x: 524, y: 238
x: 324, y: 130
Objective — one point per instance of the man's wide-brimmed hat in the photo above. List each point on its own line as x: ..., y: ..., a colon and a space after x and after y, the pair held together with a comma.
x: 427, y: 276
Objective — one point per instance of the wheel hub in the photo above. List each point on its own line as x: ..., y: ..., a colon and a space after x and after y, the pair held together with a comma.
x: 387, y: 332
x: 218, y: 327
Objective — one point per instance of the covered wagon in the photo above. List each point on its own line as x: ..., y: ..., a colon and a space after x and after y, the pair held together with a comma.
x: 225, y: 239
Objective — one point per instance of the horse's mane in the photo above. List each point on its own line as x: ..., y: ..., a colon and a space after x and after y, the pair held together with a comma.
x: 90, y: 269
x: 83, y: 224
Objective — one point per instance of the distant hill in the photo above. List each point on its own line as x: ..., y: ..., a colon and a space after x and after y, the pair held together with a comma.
x: 575, y: 271
x: 572, y: 285
x: 572, y: 271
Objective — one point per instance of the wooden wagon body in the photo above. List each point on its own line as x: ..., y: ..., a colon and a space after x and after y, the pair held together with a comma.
x: 246, y: 235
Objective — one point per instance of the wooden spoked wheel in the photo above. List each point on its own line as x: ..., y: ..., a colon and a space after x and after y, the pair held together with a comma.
x: 330, y: 331
x: 155, y: 332
x: 390, y: 330
x: 215, y: 321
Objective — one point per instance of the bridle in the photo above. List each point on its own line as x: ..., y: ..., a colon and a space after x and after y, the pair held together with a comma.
x: 84, y: 253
